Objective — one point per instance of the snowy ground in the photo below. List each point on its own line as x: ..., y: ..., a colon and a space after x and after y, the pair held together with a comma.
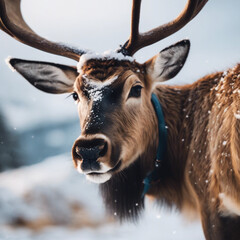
x: 50, y: 200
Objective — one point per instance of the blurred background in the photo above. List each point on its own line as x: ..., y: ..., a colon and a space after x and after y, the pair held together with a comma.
x: 41, y: 195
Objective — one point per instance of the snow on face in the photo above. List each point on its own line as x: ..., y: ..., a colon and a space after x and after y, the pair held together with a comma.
x: 107, y: 55
x: 97, y: 87
x: 96, y: 94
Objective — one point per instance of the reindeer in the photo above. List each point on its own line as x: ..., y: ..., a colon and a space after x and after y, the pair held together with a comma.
x: 176, y: 144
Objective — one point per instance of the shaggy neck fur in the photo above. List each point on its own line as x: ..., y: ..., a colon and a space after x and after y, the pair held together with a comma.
x: 168, y: 190
x: 122, y: 193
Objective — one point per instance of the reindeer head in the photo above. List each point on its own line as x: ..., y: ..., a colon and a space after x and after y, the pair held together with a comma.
x: 112, y: 91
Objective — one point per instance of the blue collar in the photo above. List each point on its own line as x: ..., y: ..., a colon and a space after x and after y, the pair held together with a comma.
x: 162, y: 145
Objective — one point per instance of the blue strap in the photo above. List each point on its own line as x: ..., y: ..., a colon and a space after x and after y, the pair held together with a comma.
x: 162, y: 145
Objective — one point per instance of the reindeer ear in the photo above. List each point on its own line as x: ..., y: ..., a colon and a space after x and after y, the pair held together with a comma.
x: 168, y: 62
x: 48, y: 77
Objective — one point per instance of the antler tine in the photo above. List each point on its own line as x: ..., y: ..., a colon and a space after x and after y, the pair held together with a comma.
x: 136, y: 7
x: 138, y: 41
x: 12, y: 22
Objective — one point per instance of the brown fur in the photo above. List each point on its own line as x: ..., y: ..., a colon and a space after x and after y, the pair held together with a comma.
x: 203, y: 154
x: 204, y: 149
x: 119, y: 136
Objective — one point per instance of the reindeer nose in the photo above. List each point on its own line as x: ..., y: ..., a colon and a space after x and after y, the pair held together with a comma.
x: 89, y: 151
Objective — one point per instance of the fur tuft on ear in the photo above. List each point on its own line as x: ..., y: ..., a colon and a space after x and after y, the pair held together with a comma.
x: 48, y: 77
x: 168, y: 62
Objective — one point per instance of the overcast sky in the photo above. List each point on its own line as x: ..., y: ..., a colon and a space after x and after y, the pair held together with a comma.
x: 102, y: 25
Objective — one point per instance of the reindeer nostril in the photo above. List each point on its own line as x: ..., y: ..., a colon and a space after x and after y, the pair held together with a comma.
x: 103, y: 149
x: 78, y: 152
x: 89, y: 151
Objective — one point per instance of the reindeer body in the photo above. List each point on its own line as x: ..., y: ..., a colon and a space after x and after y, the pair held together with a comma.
x: 119, y: 139
x: 203, y: 154
x: 200, y: 171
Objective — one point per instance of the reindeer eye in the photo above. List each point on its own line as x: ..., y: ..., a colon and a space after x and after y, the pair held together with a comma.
x: 135, y: 91
x: 75, y: 96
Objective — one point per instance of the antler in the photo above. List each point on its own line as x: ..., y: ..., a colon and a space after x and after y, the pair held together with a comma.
x: 12, y: 22
x: 138, y: 41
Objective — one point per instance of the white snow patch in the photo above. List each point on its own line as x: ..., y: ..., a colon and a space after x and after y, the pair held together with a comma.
x: 107, y: 55
x: 50, y: 188
x: 99, y: 84
x: 96, y: 93
x: 224, y: 143
x: 225, y: 73
x: 237, y: 115
x: 230, y: 206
